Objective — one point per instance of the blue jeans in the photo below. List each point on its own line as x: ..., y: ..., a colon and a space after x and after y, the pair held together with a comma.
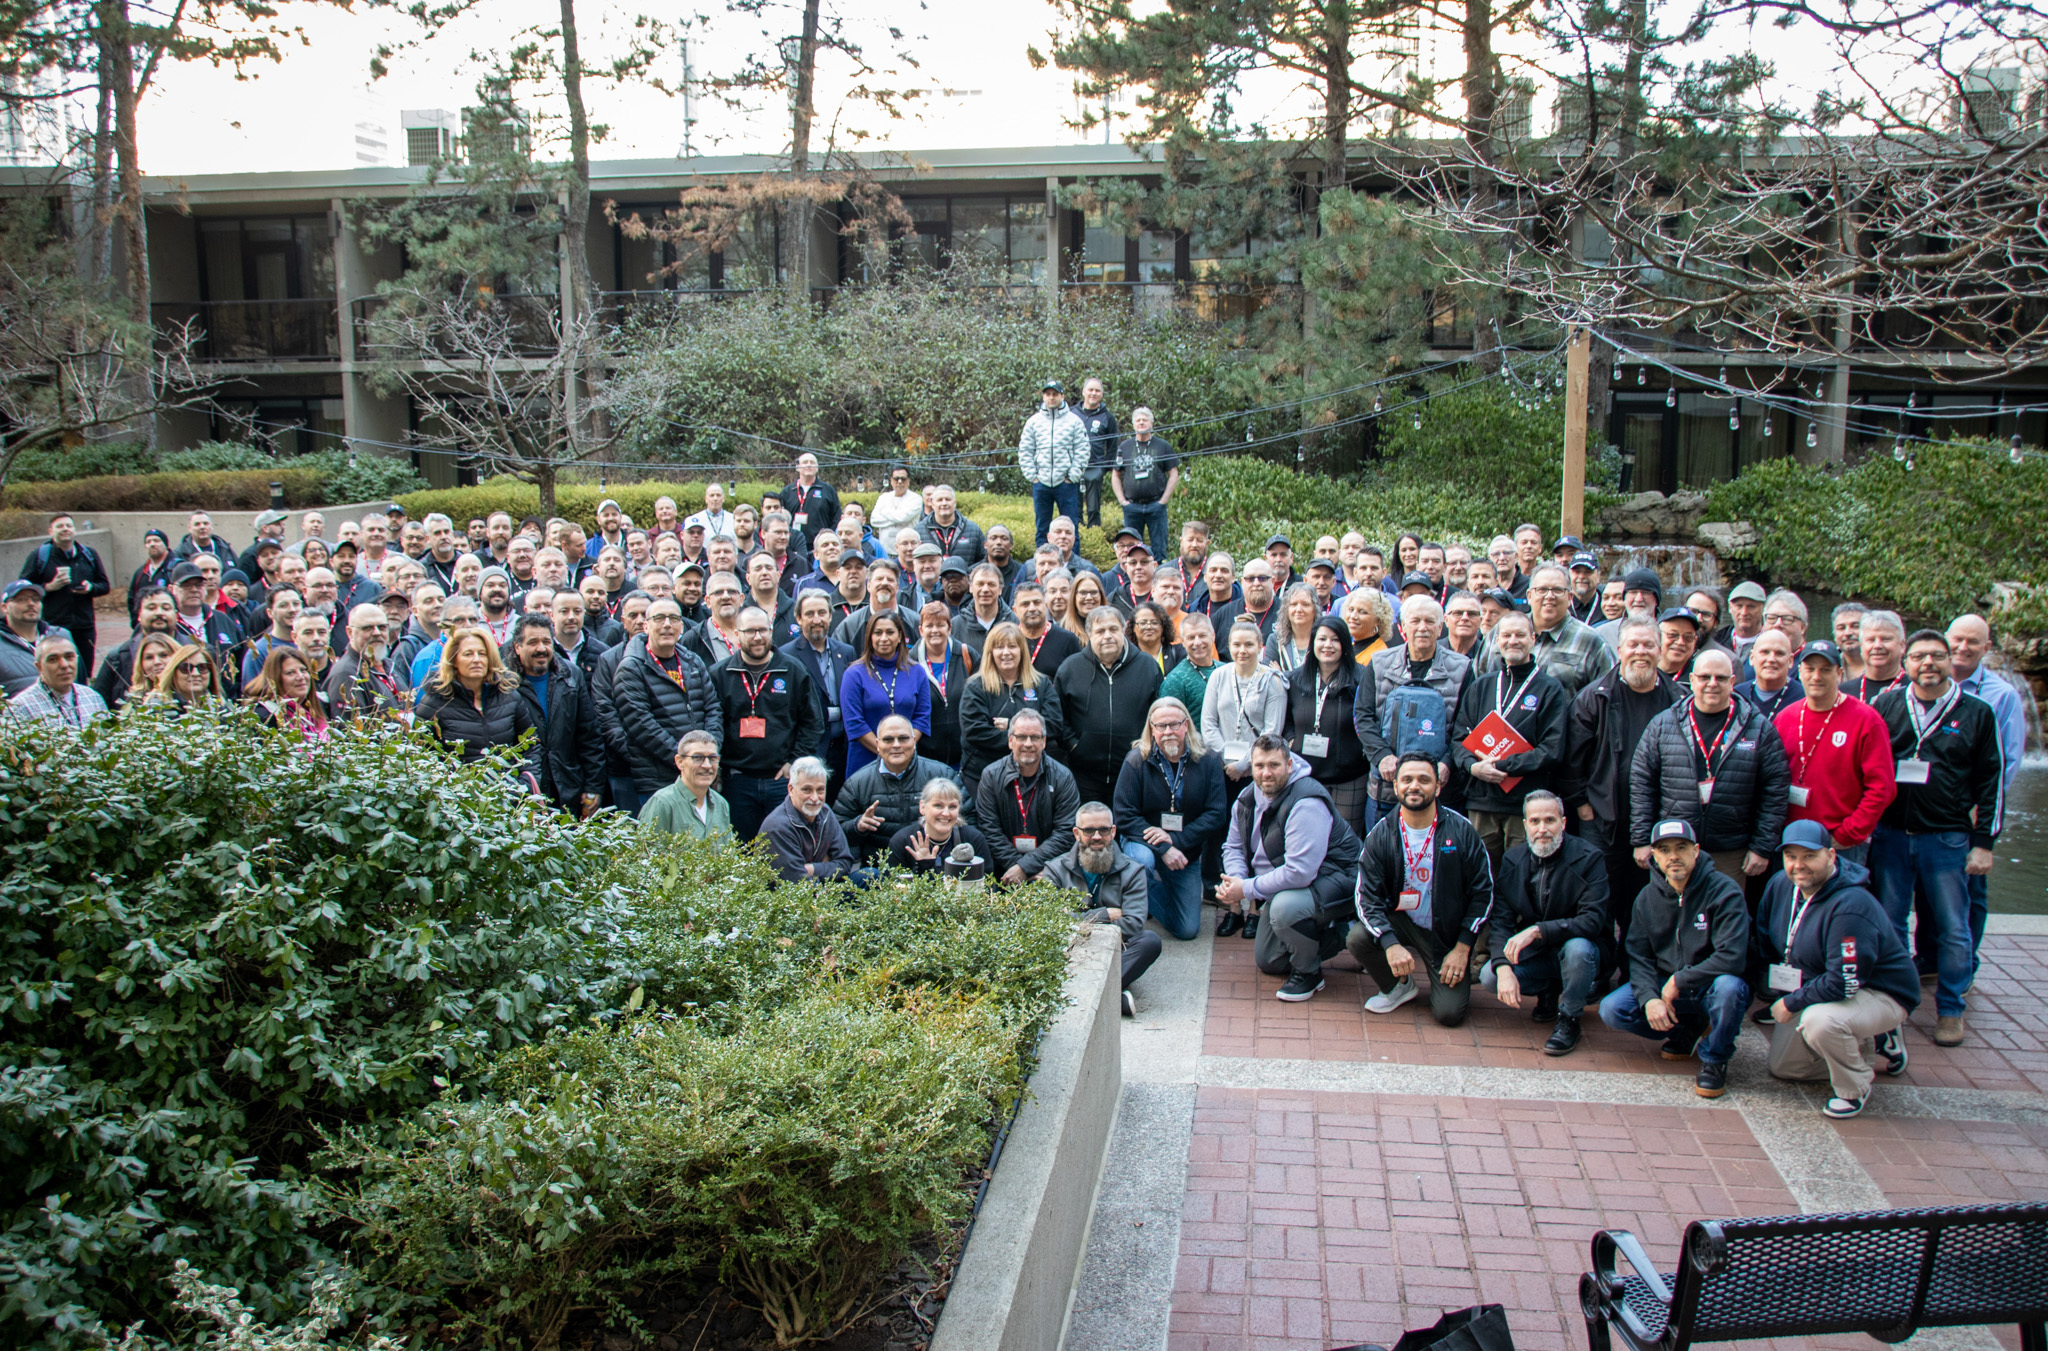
x: 1568, y: 971
x: 1175, y: 898
x: 1054, y: 499
x: 626, y: 797
x: 1935, y: 860
x: 1711, y: 1018
x: 1149, y: 520
x: 751, y: 800
x: 1980, y: 914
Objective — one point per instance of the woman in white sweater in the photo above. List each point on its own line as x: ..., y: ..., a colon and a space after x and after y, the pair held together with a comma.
x: 1244, y: 702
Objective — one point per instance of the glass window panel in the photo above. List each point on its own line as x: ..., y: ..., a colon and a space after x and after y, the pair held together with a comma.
x: 978, y: 231
x: 1027, y: 239
x: 926, y: 208
x: 1155, y: 256
x: 1102, y: 250
x: 1706, y: 444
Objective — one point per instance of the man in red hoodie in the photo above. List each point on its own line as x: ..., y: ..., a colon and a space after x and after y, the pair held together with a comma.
x: 1840, y: 752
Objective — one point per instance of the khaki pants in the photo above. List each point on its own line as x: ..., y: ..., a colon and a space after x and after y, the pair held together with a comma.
x: 1499, y: 832
x: 1833, y: 1040
x: 1728, y: 863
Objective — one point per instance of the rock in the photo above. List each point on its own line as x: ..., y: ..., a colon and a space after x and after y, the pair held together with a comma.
x: 1726, y: 537
x: 1642, y: 502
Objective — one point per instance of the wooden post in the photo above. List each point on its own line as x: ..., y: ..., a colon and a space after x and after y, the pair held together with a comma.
x: 1572, y: 520
x: 1052, y: 244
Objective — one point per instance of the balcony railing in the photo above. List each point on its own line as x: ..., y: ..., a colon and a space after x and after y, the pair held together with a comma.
x: 256, y: 330
x: 532, y: 318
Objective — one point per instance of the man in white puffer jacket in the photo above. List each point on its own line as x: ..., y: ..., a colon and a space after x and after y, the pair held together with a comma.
x: 1052, y: 452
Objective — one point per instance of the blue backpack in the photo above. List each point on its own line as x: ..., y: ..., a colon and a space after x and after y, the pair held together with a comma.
x: 1415, y: 718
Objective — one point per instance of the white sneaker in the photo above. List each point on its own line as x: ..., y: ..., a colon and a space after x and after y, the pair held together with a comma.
x: 1392, y: 999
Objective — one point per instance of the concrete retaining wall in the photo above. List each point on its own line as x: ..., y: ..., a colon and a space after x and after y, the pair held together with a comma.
x: 1017, y: 1277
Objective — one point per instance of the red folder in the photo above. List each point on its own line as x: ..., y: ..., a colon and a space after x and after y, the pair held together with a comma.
x: 1494, y: 737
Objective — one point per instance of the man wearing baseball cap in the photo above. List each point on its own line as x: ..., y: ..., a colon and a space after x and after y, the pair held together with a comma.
x: 1686, y: 951
x: 1584, y: 568
x: 23, y: 629
x: 1746, y: 615
x: 1052, y: 452
x: 1840, y: 755
x: 1840, y: 979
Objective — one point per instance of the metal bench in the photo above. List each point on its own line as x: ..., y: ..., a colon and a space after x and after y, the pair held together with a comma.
x: 1888, y: 1273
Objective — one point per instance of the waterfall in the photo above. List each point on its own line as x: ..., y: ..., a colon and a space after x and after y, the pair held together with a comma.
x: 2037, y: 753
x: 1679, y: 565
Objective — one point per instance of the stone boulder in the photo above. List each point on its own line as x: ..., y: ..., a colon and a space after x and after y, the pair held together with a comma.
x: 1729, y: 537
x: 1654, y: 515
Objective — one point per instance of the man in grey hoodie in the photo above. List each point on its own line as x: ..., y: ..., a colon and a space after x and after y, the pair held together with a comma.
x: 1290, y: 855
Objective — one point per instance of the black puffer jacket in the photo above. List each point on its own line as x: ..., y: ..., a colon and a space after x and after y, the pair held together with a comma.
x: 1105, y: 708
x: 502, y: 720
x: 1751, y: 781
x: 653, y: 711
x: 982, y: 743
x: 872, y: 785
x: 571, y: 746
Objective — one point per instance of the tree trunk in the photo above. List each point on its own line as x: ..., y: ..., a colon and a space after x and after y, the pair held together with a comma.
x: 544, y: 479
x: 580, y: 302
x: 100, y: 234
x: 796, y: 228
x: 1480, y: 84
x: 117, y: 53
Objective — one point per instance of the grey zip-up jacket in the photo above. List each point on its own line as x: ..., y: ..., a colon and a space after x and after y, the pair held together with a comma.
x: 1053, y: 447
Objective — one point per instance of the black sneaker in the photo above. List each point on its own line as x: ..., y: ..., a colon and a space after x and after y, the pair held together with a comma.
x: 1130, y: 1004
x: 1712, y: 1080
x: 1680, y: 1046
x: 1546, y: 1009
x: 1251, y: 927
x: 1300, y: 987
x: 1762, y: 1017
x: 1564, y: 1038
x: 1229, y: 922
x: 1891, y: 1048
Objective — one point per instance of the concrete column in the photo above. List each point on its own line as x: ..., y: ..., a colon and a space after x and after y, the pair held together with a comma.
x: 1052, y: 243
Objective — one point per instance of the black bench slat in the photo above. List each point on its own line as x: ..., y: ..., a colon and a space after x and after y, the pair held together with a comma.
x: 1885, y: 1273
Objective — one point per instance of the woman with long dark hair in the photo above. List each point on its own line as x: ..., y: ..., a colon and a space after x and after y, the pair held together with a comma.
x: 946, y: 665
x: 1319, y: 727
x: 883, y: 682
x: 284, y: 695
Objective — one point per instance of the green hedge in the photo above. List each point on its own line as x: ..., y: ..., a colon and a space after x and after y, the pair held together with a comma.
x: 1929, y: 540
x: 268, y: 1006
x: 222, y: 478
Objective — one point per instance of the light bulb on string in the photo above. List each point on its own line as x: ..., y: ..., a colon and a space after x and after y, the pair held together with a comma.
x: 1767, y: 426
x: 2018, y: 456
x: 1377, y: 405
x: 1642, y: 374
x: 1812, y: 435
x: 1418, y: 420
x: 1671, y: 397
x: 1898, y: 449
x: 1723, y: 381
x: 1909, y: 464
x: 1912, y: 398
x: 1734, y: 418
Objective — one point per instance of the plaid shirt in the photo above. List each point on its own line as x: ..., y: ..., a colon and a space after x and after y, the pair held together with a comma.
x: 1572, y: 654
x: 79, y: 706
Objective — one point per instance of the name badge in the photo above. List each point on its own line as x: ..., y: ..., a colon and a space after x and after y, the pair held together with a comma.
x: 755, y: 728
x: 1796, y: 795
x: 1409, y: 900
x: 832, y: 712
x: 1024, y: 843
x: 1172, y: 821
x: 801, y: 517
x: 1912, y: 771
x: 1785, y: 979
x: 1143, y: 470
x: 1234, y: 751
x: 1706, y: 790
x: 1318, y: 746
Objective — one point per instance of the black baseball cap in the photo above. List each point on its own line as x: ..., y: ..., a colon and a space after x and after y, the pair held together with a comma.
x: 1673, y: 829
x: 1805, y: 835
x: 1053, y: 385
x: 21, y: 587
x: 1678, y: 612
x: 1500, y: 596
x: 1139, y: 546
x: 1420, y: 579
x: 1822, y: 648
x: 1643, y: 579
x: 1126, y: 530
x: 1585, y: 559
x: 1315, y: 563
x: 1280, y: 539
x: 953, y: 563
x: 186, y: 572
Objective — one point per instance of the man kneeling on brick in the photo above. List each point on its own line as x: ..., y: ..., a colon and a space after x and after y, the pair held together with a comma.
x: 1843, y: 982
x: 1688, y: 943
x: 1549, y: 916
x: 1116, y: 889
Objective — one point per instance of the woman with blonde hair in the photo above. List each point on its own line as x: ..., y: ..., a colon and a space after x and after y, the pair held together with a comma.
x: 1369, y: 618
x: 1006, y: 684
x: 471, y: 701
x: 190, y: 678
x: 153, y: 652
x: 1088, y: 596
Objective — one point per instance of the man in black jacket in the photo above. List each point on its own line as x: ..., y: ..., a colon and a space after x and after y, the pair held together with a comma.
x: 1949, y: 810
x: 1715, y: 761
x: 1840, y: 977
x: 71, y: 577
x: 660, y: 691
x: 1026, y: 804
x: 803, y: 835
x: 771, y: 720
x: 1607, y: 723
x: 1688, y: 945
x: 1170, y: 804
x: 1105, y: 693
x: 1425, y: 890
x: 1103, y: 437
x: 361, y: 682
x: 1549, y: 922
x: 1534, y: 705
x: 824, y: 660
x: 572, y: 769
x: 881, y: 797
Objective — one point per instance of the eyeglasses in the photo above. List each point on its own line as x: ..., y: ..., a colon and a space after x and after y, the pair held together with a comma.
x: 1173, y: 726
x: 703, y: 758
x: 1094, y: 830
x: 1546, y: 590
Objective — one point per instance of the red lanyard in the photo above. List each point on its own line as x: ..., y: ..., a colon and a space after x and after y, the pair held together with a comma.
x: 753, y: 690
x: 1807, y: 748
x: 1024, y: 804
x: 1418, y: 872
x: 1706, y: 751
x: 1039, y: 644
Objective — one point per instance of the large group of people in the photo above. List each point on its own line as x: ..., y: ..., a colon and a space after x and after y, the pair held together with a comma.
x: 1503, y: 770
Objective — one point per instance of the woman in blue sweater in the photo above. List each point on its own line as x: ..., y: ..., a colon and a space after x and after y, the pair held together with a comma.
x: 886, y: 680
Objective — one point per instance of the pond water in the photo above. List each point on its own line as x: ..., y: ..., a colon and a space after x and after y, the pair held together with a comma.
x: 2019, y: 880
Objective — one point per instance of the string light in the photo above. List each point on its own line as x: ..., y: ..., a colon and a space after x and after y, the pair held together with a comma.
x: 1734, y: 417
x: 1642, y: 374
x: 2018, y: 456
x: 1671, y: 396
x: 1767, y: 424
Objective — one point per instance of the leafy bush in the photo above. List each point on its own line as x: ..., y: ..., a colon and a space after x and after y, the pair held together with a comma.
x: 1484, y: 459
x: 220, y: 941
x: 1929, y: 540
x: 204, y: 478
x: 91, y: 460
x: 209, y: 456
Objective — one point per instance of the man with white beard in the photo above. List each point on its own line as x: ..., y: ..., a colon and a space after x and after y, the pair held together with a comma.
x: 362, y: 681
x: 1549, y: 922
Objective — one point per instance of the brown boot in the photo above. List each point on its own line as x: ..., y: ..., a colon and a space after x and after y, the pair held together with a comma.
x: 1948, y: 1030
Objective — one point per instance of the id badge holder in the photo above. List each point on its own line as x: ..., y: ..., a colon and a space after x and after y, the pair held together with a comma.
x: 1172, y: 821
x: 1317, y: 746
x: 1236, y: 752
x: 1912, y: 771
x: 802, y: 517
x: 1409, y: 900
x: 1024, y: 844
x: 1706, y: 790
x: 1796, y: 795
x: 753, y: 728
x: 1785, y: 978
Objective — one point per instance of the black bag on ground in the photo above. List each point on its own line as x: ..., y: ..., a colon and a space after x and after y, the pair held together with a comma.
x: 1483, y: 1327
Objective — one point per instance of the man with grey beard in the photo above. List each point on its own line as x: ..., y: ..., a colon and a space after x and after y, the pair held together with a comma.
x: 1115, y: 886
x: 1549, y: 922
x: 362, y: 680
